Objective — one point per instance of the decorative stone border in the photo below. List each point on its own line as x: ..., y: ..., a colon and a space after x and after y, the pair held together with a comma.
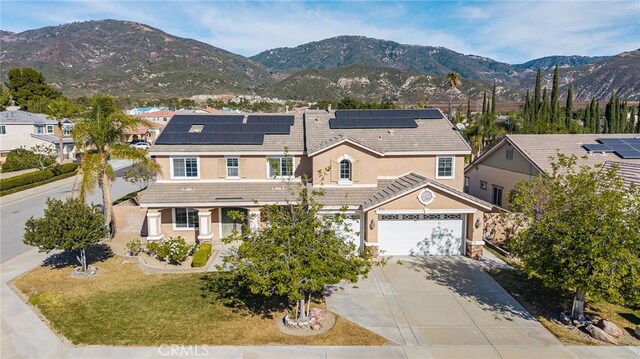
x: 287, y: 326
x: 148, y: 269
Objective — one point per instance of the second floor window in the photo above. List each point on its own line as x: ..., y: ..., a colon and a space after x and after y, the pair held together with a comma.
x: 233, y: 168
x: 3, y: 130
x: 497, y: 196
x: 185, y: 167
x: 40, y: 129
x: 280, y: 167
x: 49, y: 128
x: 445, y: 167
x: 345, y: 170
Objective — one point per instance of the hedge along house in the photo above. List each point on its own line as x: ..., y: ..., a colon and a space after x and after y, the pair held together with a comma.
x: 398, y: 172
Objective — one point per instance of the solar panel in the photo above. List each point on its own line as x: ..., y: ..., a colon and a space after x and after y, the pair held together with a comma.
x: 231, y: 138
x: 629, y: 154
x: 375, y: 122
x: 597, y: 148
x: 270, y: 119
x: 413, y: 114
x: 204, y: 119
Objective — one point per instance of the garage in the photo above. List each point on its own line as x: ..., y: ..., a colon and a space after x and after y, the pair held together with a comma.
x: 355, y: 231
x: 421, y: 234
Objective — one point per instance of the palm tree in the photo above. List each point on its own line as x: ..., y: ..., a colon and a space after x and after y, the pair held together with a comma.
x: 453, y: 80
x: 59, y: 110
x: 100, y: 132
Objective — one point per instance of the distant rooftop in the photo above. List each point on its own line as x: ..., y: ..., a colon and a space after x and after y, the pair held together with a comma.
x: 20, y: 117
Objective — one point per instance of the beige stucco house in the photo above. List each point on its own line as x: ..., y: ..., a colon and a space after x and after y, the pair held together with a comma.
x: 21, y: 129
x: 398, y: 172
x: 493, y: 175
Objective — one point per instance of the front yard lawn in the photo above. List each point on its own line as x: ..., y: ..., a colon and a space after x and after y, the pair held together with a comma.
x: 541, y: 301
x: 122, y: 306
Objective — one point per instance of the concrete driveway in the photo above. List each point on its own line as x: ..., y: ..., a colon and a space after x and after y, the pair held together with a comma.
x: 438, y: 301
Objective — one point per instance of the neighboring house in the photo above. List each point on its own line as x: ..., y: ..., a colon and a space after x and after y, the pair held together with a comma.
x: 144, y: 133
x: 162, y: 116
x: 493, y: 175
x: 20, y: 129
x: 399, y: 172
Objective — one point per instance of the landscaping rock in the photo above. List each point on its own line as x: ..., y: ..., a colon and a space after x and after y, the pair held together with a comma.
x: 610, y: 328
x: 316, y: 326
x: 599, y: 334
x: 638, y: 330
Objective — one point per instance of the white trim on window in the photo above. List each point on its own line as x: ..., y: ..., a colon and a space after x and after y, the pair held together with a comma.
x: 453, y: 167
x: 3, y: 130
x: 185, y: 177
x: 173, y: 221
x: 49, y: 129
x: 279, y: 158
x: 345, y: 181
x: 237, y: 167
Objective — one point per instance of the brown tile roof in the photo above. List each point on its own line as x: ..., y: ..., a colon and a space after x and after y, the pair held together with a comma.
x: 538, y: 148
x: 160, y: 113
x: 436, y: 135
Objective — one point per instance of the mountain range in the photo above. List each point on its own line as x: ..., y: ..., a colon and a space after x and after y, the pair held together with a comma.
x: 131, y: 59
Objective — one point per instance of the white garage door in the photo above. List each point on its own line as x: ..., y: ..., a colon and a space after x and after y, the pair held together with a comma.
x: 355, y: 233
x: 421, y: 234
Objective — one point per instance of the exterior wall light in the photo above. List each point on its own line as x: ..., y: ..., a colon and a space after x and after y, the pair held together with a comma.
x: 372, y: 225
x: 478, y: 223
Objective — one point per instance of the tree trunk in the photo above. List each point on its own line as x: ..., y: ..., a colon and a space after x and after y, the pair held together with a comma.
x: 83, y: 259
x: 60, y: 144
x: 302, y: 312
x: 577, y: 311
x: 106, y: 198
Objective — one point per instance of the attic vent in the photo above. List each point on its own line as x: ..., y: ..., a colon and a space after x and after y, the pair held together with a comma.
x: 188, y: 189
x: 196, y: 128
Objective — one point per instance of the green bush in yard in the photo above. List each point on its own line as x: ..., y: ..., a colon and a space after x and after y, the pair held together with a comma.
x: 23, y: 159
x: 174, y: 250
x: 35, y: 177
x: 202, y: 255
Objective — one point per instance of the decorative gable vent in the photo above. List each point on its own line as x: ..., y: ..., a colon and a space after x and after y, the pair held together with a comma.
x: 426, y: 196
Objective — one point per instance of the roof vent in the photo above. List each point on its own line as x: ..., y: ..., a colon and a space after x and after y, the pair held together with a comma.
x: 188, y: 189
x: 392, y: 132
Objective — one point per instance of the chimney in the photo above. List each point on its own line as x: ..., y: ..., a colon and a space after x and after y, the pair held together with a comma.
x: 329, y: 108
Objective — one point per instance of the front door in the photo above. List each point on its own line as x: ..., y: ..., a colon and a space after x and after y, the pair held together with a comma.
x: 229, y: 224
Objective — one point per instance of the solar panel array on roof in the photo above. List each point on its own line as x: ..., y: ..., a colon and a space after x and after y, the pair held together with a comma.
x: 222, y: 130
x: 626, y: 148
x: 353, y: 119
x: 427, y: 114
x: 271, y: 119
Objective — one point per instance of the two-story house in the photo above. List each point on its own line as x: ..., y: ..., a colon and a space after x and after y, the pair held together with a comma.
x: 494, y: 174
x: 21, y: 129
x: 399, y: 173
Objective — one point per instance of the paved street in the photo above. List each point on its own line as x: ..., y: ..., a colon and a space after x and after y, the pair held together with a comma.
x: 16, y: 208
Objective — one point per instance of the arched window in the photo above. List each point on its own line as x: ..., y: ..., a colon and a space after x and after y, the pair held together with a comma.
x: 345, y: 170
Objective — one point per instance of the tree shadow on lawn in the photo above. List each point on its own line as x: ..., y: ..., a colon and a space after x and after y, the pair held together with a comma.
x: 95, y: 253
x: 467, y: 279
x: 225, y: 288
x: 635, y: 320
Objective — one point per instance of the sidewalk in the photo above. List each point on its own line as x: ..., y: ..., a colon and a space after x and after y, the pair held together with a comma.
x: 24, y: 335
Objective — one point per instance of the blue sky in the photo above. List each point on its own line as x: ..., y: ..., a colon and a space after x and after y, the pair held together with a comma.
x: 508, y: 31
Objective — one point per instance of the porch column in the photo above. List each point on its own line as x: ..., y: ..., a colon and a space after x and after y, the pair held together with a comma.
x: 254, y: 219
x: 154, y: 225
x: 474, y: 243
x: 204, y: 224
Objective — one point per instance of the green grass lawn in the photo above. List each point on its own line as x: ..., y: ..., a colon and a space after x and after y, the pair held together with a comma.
x: 122, y: 306
x: 540, y: 300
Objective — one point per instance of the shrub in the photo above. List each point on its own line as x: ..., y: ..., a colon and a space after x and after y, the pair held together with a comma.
x: 23, y: 159
x: 202, y: 255
x: 35, y: 177
x: 134, y: 247
x: 174, y: 249
x: 151, y: 248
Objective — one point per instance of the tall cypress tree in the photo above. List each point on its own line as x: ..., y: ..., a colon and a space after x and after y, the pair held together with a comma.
x: 638, y: 119
x: 493, y: 99
x: 555, y: 101
x: 568, y: 109
x: 588, y: 126
x: 468, y: 109
x: 545, y: 110
x: 595, y: 116
x: 526, y: 112
x: 537, y: 99
x: 484, y: 103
